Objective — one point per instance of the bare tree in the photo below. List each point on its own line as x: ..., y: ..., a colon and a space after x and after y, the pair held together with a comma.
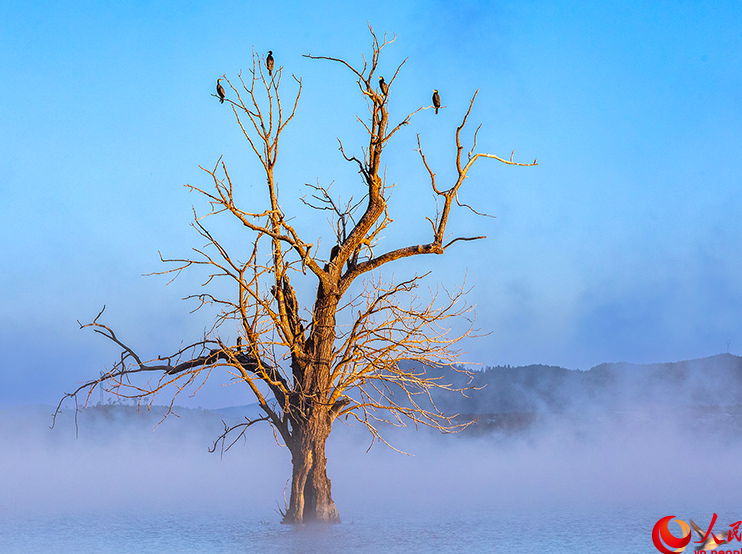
x: 342, y: 355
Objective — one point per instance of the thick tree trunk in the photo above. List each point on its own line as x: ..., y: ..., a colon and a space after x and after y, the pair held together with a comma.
x: 311, y: 497
x: 311, y: 423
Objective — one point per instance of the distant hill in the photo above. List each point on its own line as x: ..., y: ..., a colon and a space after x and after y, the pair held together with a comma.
x: 705, y: 393
x: 712, y: 381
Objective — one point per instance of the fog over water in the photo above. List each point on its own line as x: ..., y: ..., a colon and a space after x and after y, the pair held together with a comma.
x: 618, y: 468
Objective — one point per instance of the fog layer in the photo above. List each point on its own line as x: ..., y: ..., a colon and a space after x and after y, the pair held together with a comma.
x: 625, y: 452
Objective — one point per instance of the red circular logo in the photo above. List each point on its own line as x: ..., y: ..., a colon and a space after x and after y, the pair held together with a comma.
x: 661, y: 535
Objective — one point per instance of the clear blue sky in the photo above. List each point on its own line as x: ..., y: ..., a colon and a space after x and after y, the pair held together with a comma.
x: 624, y: 244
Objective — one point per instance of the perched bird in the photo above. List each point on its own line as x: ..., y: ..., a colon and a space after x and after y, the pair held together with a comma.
x: 220, y: 91
x: 269, y: 62
x: 712, y: 541
x: 383, y: 86
x: 436, y: 100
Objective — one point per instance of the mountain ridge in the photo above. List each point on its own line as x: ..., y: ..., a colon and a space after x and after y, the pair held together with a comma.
x: 713, y: 380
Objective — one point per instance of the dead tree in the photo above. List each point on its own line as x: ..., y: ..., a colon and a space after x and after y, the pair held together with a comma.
x: 305, y: 369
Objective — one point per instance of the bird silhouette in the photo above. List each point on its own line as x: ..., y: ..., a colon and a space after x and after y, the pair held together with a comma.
x: 436, y: 100
x: 220, y: 91
x: 383, y: 86
x: 269, y: 62
x: 711, y: 542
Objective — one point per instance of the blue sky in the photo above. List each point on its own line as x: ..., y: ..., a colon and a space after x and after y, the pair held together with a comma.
x: 622, y: 245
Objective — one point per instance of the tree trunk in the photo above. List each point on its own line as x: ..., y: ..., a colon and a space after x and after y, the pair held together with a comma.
x: 311, y: 497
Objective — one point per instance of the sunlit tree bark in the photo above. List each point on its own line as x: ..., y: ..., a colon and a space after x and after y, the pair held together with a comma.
x: 303, y: 367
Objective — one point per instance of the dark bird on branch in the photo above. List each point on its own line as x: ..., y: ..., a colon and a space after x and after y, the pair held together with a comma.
x: 333, y: 254
x: 436, y: 100
x: 269, y: 62
x: 383, y: 86
x: 220, y: 91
